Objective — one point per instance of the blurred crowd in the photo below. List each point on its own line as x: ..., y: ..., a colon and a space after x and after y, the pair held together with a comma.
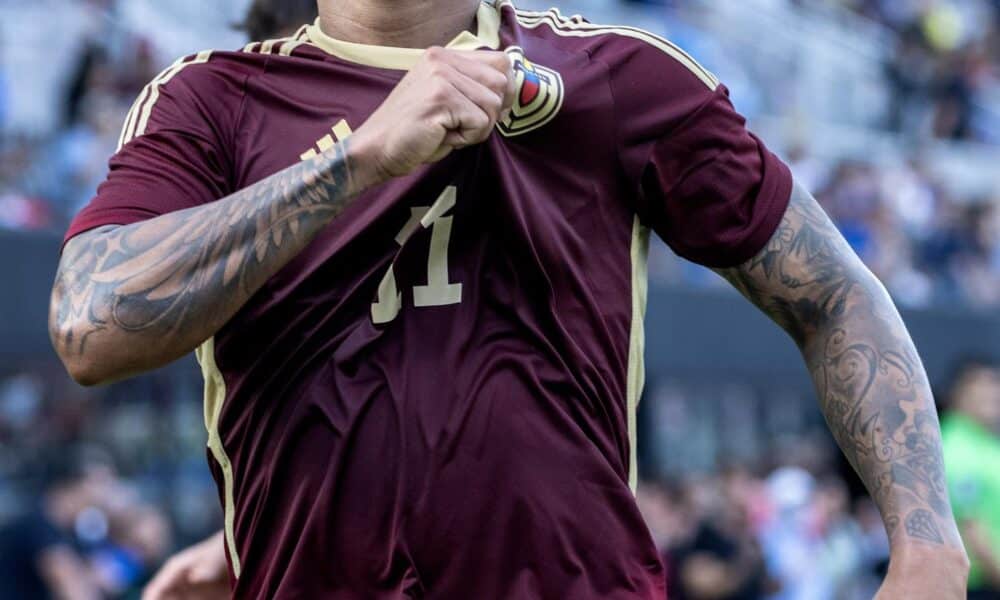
x: 788, y: 535
x: 927, y: 246
x: 97, y: 486
x: 944, y: 77
x: 944, y: 66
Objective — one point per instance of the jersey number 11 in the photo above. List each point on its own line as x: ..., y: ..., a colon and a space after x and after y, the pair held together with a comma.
x: 438, y: 291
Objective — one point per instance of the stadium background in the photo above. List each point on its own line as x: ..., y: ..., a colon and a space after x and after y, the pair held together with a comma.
x: 888, y: 109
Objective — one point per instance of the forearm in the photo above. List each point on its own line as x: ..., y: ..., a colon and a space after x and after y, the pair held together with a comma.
x: 876, y: 399
x: 871, y: 385
x: 132, y: 298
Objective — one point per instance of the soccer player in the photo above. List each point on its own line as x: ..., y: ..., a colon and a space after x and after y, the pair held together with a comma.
x: 415, y: 279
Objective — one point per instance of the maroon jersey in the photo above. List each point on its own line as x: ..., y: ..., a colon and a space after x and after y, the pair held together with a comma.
x: 437, y: 397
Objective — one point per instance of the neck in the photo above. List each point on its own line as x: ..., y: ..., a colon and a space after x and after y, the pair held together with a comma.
x: 397, y: 23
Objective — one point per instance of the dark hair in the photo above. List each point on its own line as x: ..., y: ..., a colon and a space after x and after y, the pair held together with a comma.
x: 269, y: 18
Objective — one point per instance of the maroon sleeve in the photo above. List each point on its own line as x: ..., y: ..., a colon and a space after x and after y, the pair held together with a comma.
x: 708, y: 187
x: 175, y: 153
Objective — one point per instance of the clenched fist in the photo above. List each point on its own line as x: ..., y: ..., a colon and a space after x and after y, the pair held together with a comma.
x: 450, y: 99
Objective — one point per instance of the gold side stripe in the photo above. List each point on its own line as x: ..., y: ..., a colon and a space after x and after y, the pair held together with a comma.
x: 636, y: 374
x: 571, y: 27
x: 215, y: 395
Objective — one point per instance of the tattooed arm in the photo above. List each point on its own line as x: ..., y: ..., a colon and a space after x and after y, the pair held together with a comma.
x: 870, y: 382
x: 132, y: 298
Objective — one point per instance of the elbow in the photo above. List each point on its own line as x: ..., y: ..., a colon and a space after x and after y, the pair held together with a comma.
x: 82, y: 358
x: 84, y: 374
x: 85, y: 368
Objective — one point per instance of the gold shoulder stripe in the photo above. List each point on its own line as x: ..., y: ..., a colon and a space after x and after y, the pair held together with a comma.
x: 130, y: 117
x: 576, y: 27
x: 286, y: 44
x: 293, y: 42
x: 267, y: 46
x: 133, y: 113
x: 138, y: 117
x: 201, y: 58
x: 289, y: 46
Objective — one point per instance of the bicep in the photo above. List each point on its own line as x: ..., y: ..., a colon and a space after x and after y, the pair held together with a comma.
x: 79, y: 244
x: 806, y: 274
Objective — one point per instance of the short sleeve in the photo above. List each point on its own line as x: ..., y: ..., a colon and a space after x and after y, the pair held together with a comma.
x: 707, y: 186
x: 174, y: 149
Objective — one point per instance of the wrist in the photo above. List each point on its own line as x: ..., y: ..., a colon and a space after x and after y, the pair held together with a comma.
x: 947, y: 560
x: 364, y: 163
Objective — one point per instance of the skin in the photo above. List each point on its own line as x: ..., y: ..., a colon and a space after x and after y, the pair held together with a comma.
x: 871, y: 387
x: 196, y: 573
x: 129, y: 299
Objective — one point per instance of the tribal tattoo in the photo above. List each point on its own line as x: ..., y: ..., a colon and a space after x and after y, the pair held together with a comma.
x: 871, y: 384
x: 147, y: 293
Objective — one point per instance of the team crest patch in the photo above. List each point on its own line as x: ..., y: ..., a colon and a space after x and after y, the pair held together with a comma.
x: 539, y: 95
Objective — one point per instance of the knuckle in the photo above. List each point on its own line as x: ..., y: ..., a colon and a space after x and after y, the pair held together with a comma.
x: 502, y: 61
x: 439, y: 93
x: 492, y: 106
x: 437, y: 70
x: 434, y: 53
x: 497, y: 81
x: 482, y: 125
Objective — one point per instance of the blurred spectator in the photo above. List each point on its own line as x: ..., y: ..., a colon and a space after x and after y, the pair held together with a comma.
x: 722, y: 558
x: 709, y: 547
x: 971, y: 434
x: 787, y: 536
x: 38, y: 555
